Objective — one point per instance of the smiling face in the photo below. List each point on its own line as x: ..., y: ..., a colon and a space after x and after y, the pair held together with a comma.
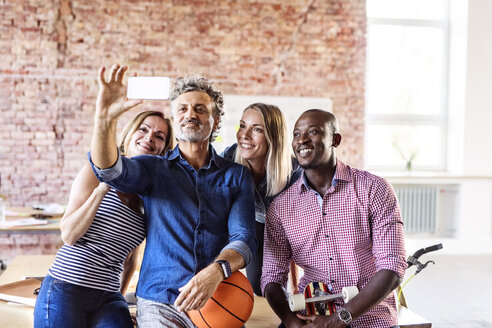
x: 315, y: 140
x: 150, y: 137
x: 193, y: 117
x: 251, y: 138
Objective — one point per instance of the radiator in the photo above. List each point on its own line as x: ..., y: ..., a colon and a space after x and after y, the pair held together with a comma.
x: 418, y: 205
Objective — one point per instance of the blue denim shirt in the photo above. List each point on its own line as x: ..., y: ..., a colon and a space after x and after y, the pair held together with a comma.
x: 190, y: 216
x: 262, y: 201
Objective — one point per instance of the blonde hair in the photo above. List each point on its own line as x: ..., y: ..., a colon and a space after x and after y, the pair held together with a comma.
x: 278, y: 157
x: 135, y: 123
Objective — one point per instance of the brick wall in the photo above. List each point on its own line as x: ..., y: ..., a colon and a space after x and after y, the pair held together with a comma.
x: 50, y: 52
x: 12, y: 245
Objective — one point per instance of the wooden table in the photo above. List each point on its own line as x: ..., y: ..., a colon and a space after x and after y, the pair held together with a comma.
x: 26, y: 239
x: 53, y: 224
x: 264, y: 317
x: 20, y: 316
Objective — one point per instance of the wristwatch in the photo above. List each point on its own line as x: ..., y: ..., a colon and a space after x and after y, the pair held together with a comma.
x: 345, y: 316
x: 226, y: 268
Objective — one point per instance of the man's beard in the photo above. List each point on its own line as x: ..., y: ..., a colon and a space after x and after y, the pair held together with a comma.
x: 194, y: 135
x: 313, y: 164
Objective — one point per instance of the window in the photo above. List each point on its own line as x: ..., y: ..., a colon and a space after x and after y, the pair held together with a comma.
x: 407, y: 78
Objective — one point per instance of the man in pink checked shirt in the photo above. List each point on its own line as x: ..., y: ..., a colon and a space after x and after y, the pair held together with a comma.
x: 342, y: 226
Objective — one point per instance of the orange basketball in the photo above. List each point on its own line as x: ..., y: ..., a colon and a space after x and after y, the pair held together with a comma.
x: 229, y: 307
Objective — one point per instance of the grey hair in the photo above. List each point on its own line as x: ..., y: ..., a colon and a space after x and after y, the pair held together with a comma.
x: 201, y: 84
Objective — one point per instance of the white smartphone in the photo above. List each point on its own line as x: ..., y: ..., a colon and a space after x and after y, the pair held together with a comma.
x: 145, y: 87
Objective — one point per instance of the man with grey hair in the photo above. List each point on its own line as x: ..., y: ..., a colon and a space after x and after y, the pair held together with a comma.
x: 199, y: 207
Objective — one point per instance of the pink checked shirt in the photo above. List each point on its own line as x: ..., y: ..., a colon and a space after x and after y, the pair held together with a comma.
x: 341, y: 239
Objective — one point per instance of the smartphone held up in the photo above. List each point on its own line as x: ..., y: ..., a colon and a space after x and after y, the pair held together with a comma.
x: 145, y: 87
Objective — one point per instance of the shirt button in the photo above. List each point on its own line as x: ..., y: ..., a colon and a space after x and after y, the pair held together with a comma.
x: 327, y: 236
x: 331, y: 258
x: 332, y: 281
x: 324, y: 213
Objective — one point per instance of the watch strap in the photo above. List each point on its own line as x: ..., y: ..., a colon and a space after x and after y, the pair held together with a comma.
x: 226, y: 268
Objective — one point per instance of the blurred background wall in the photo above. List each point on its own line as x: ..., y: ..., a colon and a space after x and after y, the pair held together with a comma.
x: 50, y: 52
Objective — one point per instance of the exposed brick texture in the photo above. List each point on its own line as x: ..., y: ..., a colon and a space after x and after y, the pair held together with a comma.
x: 50, y: 52
x: 12, y: 245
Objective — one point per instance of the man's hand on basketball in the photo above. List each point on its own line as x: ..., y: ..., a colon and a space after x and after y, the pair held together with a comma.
x: 321, y: 321
x: 199, y: 289
x: 111, y: 100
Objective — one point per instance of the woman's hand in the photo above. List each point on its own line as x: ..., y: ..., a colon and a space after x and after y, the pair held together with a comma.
x: 111, y: 100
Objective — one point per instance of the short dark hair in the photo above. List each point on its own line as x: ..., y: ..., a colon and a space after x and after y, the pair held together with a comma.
x: 330, y: 118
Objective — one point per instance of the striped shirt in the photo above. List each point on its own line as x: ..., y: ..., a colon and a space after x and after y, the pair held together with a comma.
x: 96, y: 260
x: 341, y: 239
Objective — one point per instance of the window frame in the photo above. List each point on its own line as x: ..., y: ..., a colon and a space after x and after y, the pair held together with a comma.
x: 440, y: 120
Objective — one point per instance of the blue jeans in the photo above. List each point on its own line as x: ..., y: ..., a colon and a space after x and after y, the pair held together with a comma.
x: 61, y: 304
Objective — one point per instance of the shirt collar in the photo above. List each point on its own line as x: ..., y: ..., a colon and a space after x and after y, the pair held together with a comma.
x: 214, y: 158
x: 342, y: 173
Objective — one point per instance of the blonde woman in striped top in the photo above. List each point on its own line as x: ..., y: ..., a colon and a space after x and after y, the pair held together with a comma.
x: 102, y: 229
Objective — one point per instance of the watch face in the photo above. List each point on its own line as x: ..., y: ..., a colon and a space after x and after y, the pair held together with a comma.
x: 345, y: 315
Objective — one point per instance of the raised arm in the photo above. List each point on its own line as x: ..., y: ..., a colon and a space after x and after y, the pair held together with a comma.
x: 85, y: 197
x: 111, y: 103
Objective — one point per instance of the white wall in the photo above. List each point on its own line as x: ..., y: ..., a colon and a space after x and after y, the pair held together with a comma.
x: 478, y: 104
x: 476, y: 195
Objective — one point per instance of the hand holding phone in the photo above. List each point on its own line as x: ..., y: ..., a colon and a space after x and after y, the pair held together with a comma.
x: 152, y: 88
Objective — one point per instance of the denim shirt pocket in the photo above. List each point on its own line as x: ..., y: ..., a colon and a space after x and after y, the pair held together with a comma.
x: 219, y: 206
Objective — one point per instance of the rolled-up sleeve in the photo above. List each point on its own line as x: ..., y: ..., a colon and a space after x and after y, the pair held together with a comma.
x: 242, y: 248
x: 241, y: 222
x: 110, y: 173
x: 133, y: 175
x: 277, y: 254
x: 387, y: 229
